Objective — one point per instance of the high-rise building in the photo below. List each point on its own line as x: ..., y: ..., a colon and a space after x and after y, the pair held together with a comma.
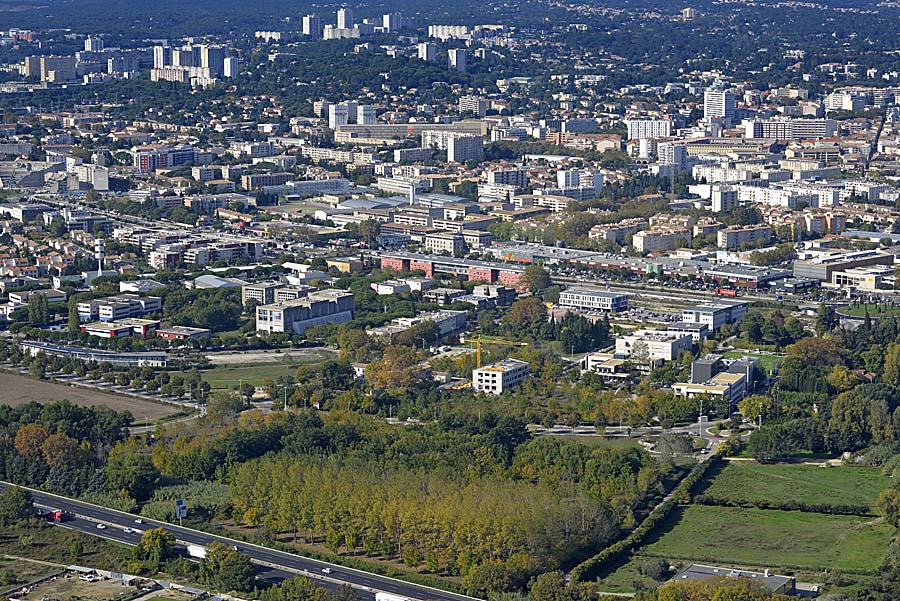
x: 365, y: 114
x: 93, y: 44
x: 338, y: 114
x: 427, y: 51
x: 723, y: 199
x: 312, y: 26
x: 464, y: 148
x: 162, y: 56
x: 392, y: 21
x: 672, y: 154
x: 476, y: 105
x: 719, y: 103
x: 212, y: 58
x: 458, y: 59
x: 230, y: 67
x: 642, y: 129
x: 345, y: 18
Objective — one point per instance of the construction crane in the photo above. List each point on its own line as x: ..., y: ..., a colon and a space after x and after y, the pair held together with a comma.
x: 479, y: 340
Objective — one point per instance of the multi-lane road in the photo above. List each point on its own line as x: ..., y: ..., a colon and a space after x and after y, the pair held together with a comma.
x: 275, y: 564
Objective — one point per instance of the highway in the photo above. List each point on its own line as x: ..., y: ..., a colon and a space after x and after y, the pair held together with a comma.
x: 276, y: 564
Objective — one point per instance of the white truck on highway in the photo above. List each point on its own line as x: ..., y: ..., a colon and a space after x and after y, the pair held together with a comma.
x: 196, y: 551
x: 379, y: 596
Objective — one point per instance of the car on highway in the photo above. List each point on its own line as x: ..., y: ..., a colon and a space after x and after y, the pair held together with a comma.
x: 139, y: 521
x: 327, y: 570
x: 101, y: 527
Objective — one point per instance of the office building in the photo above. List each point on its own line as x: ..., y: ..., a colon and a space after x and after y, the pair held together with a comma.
x: 499, y: 377
x: 583, y: 298
x: 653, y: 346
x: 458, y: 58
x: 823, y: 267
x: 715, y: 314
x: 296, y: 316
x: 263, y: 293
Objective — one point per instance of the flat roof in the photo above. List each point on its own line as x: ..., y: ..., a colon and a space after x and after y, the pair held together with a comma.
x: 701, y: 572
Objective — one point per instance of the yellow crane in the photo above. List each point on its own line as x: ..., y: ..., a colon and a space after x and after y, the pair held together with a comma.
x: 479, y: 340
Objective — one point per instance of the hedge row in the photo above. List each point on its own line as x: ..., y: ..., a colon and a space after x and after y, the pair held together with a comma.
x: 591, y: 567
x: 839, y: 509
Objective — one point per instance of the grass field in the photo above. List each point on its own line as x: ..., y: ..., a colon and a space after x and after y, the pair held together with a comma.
x: 874, y: 310
x: 810, y: 484
x: 230, y: 376
x: 732, y: 535
x: 18, y: 390
x: 768, y: 363
x: 255, y: 367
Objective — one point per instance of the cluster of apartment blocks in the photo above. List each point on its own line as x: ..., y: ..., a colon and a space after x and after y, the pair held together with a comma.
x: 116, y: 308
x: 168, y: 249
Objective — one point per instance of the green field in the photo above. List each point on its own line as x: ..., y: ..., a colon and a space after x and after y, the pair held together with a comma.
x: 874, y: 310
x: 229, y: 376
x: 768, y: 363
x: 744, y: 481
x: 741, y: 536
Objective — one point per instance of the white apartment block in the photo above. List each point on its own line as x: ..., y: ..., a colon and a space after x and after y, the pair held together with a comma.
x: 660, y: 239
x: 641, y: 129
x: 499, y: 377
x: 736, y: 237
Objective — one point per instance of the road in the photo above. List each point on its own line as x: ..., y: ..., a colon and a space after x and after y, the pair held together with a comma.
x: 276, y: 564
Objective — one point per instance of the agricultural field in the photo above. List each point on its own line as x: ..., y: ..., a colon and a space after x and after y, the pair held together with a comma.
x: 750, y: 482
x: 18, y: 390
x: 786, y: 539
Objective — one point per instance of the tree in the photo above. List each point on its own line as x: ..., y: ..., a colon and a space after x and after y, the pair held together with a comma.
x: 826, y: 319
x: 76, y: 549
x: 525, y: 314
x: 841, y: 379
x: 74, y: 321
x: 38, y: 310
x: 132, y: 472
x: 15, y: 506
x: 755, y: 405
x: 536, y: 278
x: 891, y: 369
x: 398, y: 369
x: 224, y: 405
x: 60, y: 449
x: 156, y: 545
x: 226, y: 569
x: 29, y: 441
